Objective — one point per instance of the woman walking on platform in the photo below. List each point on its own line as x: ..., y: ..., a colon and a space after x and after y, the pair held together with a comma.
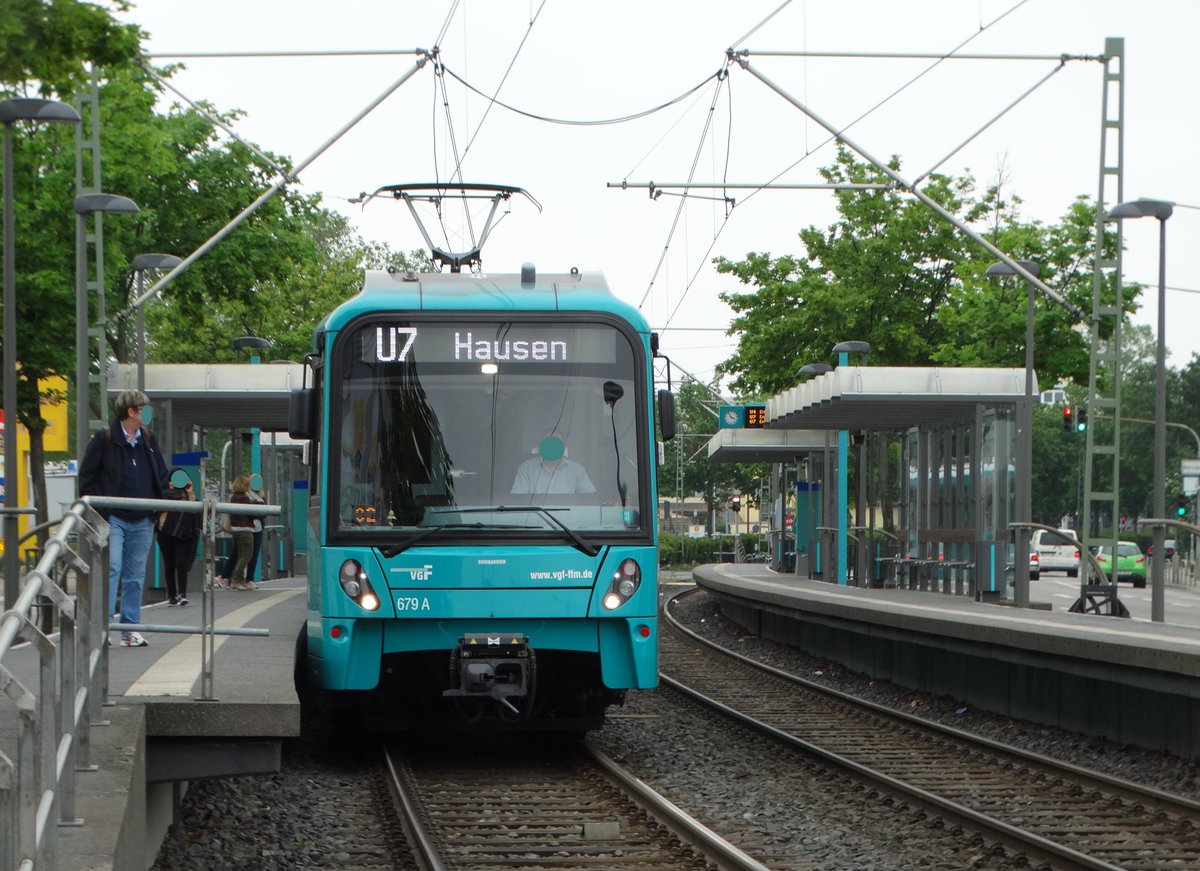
x: 178, y: 533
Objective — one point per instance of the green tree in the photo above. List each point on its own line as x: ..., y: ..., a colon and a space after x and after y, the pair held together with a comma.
x: 894, y: 274
x: 189, y: 182
x: 49, y: 46
x: 1140, y: 374
x: 988, y: 318
x: 881, y: 273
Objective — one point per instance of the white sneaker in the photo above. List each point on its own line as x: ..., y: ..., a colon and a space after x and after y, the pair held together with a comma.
x: 134, y: 639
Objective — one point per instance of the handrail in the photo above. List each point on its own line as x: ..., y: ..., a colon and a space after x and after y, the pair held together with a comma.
x: 51, y: 749
x: 54, y: 719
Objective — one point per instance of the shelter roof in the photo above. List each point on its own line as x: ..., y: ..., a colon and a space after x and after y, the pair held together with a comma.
x: 865, y: 398
x: 892, y: 397
x: 763, y: 446
x: 220, y: 395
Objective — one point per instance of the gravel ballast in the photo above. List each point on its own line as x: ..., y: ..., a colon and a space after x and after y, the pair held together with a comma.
x: 283, y: 820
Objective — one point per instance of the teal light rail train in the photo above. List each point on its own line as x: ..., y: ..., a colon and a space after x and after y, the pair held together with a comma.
x: 481, y: 524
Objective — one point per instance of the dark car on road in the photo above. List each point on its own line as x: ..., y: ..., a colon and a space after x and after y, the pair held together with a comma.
x: 1168, y: 549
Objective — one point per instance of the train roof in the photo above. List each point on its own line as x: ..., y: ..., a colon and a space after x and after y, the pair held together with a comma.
x: 401, y: 290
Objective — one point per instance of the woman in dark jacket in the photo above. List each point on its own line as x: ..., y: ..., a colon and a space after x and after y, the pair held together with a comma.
x: 243, y: 535
x: 178, y: 533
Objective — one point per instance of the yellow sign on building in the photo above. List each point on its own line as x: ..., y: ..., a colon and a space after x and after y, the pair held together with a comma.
x: 54, y: 439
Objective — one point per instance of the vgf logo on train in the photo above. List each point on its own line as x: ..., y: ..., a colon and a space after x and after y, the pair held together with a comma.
x: 417, y: 573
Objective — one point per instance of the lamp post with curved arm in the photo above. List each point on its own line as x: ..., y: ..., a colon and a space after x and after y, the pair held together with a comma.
x: 140, y: 264
x: 1160, y: 209
x: 12, y: 111
x: 89, y: 204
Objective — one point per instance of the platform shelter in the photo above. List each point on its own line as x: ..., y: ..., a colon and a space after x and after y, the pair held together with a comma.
x: 918, y: 463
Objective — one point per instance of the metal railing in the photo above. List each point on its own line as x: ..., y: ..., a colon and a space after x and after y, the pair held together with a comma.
x: 55, y: 717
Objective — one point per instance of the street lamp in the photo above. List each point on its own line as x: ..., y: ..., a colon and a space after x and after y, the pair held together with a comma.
x: 241, y: 343
x: 140, y: 264
x: 815, y: 368
x: 1024, y: 483
x: 89, y: 204
x: 12, y: 111
x: 1160, y: 209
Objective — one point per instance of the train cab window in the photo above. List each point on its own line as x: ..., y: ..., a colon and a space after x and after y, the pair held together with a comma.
x: 461, y: 424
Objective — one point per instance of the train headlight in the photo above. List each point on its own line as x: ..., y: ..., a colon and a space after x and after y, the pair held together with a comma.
x: 625, y: 582
x: 354, y: 582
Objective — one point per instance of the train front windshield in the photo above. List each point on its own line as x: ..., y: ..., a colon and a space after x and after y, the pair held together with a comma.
x: 507, y: 430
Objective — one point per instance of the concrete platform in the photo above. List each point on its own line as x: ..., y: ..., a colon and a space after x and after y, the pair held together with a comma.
x: 1131, y: 681
x: 160, y: 728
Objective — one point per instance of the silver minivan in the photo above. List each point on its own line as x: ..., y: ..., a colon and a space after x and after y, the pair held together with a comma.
x: 1055, y: 552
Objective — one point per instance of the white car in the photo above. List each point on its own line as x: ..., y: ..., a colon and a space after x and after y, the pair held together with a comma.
x: 1056, y: 553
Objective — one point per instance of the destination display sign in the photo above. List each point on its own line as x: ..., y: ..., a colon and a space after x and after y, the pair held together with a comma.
x: 400, y: 342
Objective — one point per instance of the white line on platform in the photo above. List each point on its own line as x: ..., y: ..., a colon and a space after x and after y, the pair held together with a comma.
x: 177, y: 671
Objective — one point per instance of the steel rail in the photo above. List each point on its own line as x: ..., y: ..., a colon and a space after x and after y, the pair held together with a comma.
x: 686, y: 827
x: 688, y: 830
x: 1093, y: 779
x: 425, y: 851
x: 1004, y: 833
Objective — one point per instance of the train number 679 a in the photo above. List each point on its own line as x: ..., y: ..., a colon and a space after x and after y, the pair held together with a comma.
x: 412, y: 603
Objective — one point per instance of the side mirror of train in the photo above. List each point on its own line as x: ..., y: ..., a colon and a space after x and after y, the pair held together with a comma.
x: 302, y: 413
x: 666, y: 414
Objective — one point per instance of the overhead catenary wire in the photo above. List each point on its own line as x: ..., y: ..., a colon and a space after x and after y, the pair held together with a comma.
x: 753, y: 30
x: 446, y: 24
x: 584, y: 122
x: 492, y: 99
x: 937, y: 58
x: 708, y: 251
x: 739, y: 56
x: 439, y: 75
x: 695, y: 162
x: 920, y: 178
x: 270, y: 192
x: 457, y: 172
x: 210, y: 116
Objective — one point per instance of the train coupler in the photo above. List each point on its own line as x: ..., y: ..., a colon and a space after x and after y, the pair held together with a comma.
x: 492, y: 666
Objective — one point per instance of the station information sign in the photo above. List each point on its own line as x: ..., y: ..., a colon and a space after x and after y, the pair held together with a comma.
x: 742, y: 416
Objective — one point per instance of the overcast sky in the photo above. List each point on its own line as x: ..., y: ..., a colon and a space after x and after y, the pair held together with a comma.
x: 589, y: 61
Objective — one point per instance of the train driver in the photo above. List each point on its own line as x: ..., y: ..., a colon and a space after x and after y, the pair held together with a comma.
x: 551, y: 471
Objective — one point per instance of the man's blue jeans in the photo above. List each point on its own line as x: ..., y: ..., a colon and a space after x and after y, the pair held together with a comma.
x: 128, y: 548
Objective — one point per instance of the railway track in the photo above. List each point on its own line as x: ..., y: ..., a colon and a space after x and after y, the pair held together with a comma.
x: 1050, y: 811
x: 567, y: 807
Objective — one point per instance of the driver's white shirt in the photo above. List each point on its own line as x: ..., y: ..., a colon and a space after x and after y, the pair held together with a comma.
x: 533, y: 476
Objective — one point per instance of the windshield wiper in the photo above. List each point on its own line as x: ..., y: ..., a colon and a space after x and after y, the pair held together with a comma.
x: 579, y: 542
x: 394, y: 549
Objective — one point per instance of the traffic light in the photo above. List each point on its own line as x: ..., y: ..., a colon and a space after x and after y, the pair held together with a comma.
x: 1181, y: 505
x: 1068, y: 418
x: 735, y: 504
x: 1081, y: 419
